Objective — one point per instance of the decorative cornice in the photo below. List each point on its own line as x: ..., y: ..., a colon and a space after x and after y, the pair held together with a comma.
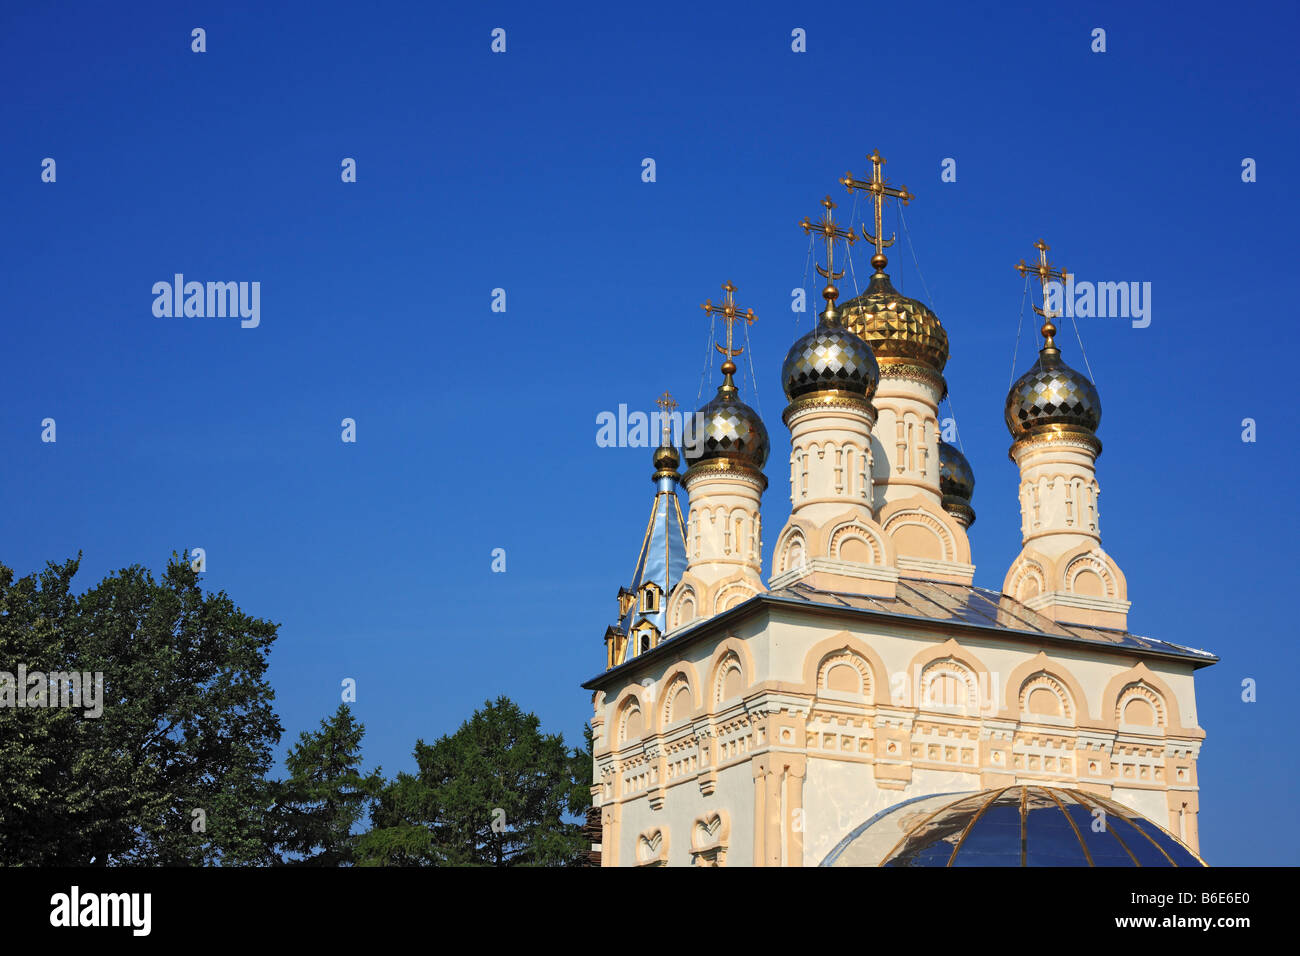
x: 829, y: 400
x: 891, y: 367
x: 724, y: 468
x: 1071, y: 435
x: 851, y: 569
x: 1069, y: 599
x: 929, y: 566
x: 960, y: 509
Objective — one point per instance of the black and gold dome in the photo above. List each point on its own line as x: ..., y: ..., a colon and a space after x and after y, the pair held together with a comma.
x: 732, y: 432
x: 956, y: 483
x: 829, y: 358
x: 666, y: 460
x: 897, y: 328
x: 1021, y: 825
x: 1052, y: 393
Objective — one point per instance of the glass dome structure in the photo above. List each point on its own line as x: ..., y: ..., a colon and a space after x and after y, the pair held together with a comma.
x: 1021, y: 825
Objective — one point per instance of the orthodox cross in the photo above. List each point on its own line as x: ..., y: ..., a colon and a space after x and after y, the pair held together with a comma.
x: 730, y: 313
x: 880, y: 190
x: 666, y: 406
x: 1046, y: 273
x: 830, y: 232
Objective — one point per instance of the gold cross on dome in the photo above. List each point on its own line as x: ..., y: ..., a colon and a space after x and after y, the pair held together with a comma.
x: 830, y: 232
x: 1046, y: 273
x: 879, y: 189
x: 730, y: 313
x: 666, y: 406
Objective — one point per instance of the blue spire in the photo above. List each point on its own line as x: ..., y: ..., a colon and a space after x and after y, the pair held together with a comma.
x: 643, y: 607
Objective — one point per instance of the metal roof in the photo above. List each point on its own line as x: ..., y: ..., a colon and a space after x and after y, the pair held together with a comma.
x: 919, y: 601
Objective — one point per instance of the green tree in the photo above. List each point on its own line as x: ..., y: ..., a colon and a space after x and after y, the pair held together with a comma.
x: 494, y: 793
x: 187, y: 723
x: 326, y: 794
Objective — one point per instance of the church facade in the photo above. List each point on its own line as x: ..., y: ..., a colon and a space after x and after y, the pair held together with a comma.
x: 864, y: 702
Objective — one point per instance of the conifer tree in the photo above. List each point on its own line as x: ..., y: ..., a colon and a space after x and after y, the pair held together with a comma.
x: 326, y: 794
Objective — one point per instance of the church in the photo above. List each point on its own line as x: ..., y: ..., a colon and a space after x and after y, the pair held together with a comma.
x: 862, y: 702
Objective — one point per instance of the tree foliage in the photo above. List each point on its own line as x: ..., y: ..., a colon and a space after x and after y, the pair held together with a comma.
x: 326, y: 795
x: 494, y: 793
x: 187, y: 723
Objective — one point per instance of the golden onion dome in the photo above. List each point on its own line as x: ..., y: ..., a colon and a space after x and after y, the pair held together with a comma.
x: 666, y: 459
x: 1052, y: 394
x: 956, y: 483
x: 896, y: 327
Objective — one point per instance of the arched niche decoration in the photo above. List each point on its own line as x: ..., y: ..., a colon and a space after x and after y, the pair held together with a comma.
x: 1045, y: 696
x: 920, y: 529
x: 731, y: 594
x: 681, y: 694
x: 1028, y: 577
x: 835, y: 650
x: 950, y: 660
x: 1141, y: 705
x: 792, y: 549
x: 1089, y: 571
x: 730, y: 655
x: 1156, y: 690
x: 632, y: 720
x: 683, y: 606
x: 854, y: 541
x: 1040, y: 663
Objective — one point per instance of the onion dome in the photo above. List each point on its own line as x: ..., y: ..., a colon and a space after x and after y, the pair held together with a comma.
x: 1051, y: 396
x: 727, y: 434
x: 897, y: 328
x: 1051, y: 393
x: 1022, y: 825
x: 732, y: 432
x: 666, y: 459
x: 956, y: 483
x: 830, y: 358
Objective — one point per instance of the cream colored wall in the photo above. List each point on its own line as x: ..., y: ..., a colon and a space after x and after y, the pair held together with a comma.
x: 713, y: 546
x: 830, y: 462
x: 865, y: 753
x: 841, y: 797
x: 734, y: 793
x: 1152, y: 804
x: 1059, y: 496
x: 907, y: 429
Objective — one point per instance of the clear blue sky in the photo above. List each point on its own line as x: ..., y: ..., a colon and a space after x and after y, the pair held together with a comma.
x: 476, y: 430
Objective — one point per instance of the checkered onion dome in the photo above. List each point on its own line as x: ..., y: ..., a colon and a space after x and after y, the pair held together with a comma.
x: 830, y: 357
x: 955, y: 475
x: 1052, y: 393
x: 731, y: 430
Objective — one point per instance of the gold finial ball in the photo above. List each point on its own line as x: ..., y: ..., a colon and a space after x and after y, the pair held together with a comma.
x: 666, y: 458
x: 879, y: 261
x: 830, y: 292
x: 728, y: 367
x: 1049, y: 330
